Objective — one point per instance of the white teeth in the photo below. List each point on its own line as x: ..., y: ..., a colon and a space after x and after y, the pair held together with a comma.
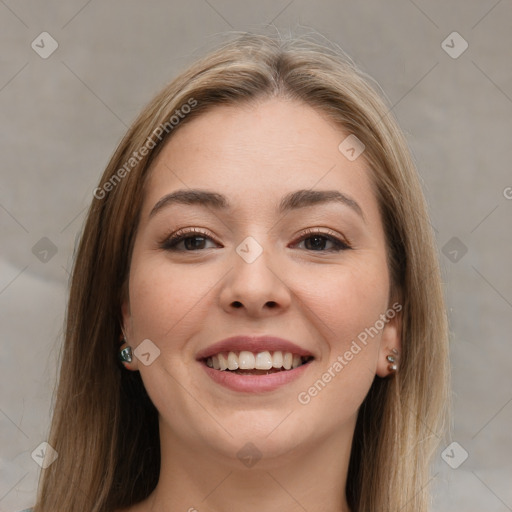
x: 277, y: 359
x: 263, y: 361
x: 223, y: 362
x: 232, y: 361
x: 246, y: 360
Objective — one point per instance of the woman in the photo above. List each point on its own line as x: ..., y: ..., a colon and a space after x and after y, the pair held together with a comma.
x: 258, y: 256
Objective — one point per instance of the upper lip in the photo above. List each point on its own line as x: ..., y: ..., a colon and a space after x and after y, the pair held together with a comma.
x: 253, y: 344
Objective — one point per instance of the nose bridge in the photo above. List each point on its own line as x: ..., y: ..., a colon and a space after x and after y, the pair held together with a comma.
x: 253, y: 265
x: 254, y: 284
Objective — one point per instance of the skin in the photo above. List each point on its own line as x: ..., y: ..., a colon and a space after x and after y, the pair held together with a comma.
x: 321, y: 299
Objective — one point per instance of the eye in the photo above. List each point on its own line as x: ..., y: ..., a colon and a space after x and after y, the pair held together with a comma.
x: 188, y: 240
x: 320, y: 241
x: 193, y: 240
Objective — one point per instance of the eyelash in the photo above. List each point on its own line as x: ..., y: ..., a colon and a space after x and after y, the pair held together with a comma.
x: 171, y: 241
x: 339, y: 244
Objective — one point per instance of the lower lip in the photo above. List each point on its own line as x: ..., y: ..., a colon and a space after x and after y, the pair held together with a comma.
x: 255, y: 383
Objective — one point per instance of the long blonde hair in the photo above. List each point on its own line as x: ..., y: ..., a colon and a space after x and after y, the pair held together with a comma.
x: 105, y: 428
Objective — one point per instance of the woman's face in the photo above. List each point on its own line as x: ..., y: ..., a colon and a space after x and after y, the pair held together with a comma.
x: 278, y: 236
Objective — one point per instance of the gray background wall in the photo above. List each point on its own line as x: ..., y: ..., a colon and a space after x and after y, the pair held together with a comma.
x: 62, y: 116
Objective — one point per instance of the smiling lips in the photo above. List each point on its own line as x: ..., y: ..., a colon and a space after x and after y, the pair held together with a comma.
x: 254, y: 355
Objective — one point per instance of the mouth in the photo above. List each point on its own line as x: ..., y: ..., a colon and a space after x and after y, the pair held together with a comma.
x: 266, y: 362
x: 254, y: 364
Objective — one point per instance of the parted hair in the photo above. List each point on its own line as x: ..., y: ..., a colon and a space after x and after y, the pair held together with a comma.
x: 104, y: 425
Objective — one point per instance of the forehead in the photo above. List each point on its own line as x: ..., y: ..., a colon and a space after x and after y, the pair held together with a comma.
x: 255, y: 152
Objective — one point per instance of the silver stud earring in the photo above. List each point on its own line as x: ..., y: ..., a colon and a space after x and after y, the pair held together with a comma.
x: 125, y: 355
x: 392, y: 359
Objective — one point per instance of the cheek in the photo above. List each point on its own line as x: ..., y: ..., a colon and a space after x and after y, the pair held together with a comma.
x: 346, y: 306
x: 345, y: 300
x: 165, y: 299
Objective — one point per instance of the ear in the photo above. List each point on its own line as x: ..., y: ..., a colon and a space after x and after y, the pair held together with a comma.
x: 390, y: 343
x: 125, y: 316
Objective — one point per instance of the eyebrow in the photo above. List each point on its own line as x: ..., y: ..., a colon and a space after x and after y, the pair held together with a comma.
x: 292, y: 201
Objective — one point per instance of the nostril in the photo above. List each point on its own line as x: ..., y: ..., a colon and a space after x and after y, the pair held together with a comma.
x: 270, y: 304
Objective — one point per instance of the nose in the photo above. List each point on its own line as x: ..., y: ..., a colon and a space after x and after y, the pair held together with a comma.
x: 256, y: 288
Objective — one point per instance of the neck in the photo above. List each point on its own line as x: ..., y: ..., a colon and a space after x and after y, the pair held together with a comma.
x: 305, y: 478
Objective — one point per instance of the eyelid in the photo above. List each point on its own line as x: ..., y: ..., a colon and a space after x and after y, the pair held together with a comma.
x: 326, y: 232
x: 175, y: 237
